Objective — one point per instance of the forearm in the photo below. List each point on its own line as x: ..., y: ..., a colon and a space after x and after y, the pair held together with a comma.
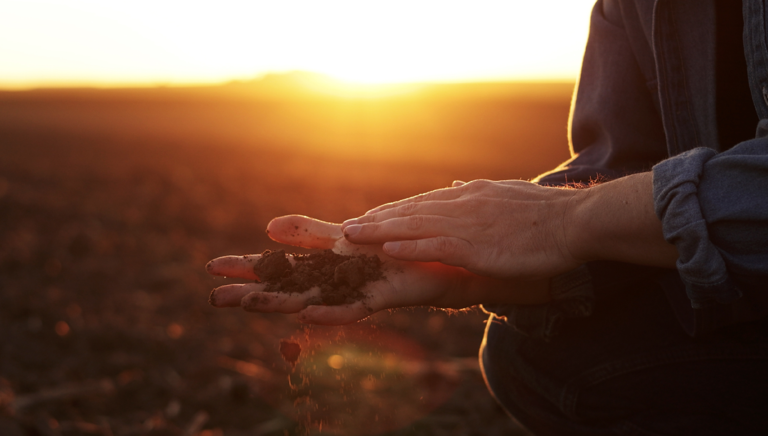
x: 616, y: 221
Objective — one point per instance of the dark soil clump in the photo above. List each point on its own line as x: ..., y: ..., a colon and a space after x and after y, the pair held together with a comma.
x: 272, y: 266
x: 338, y: 276
x: 290, y: 351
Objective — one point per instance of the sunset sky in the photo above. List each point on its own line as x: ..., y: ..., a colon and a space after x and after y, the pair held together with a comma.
x: 153, y: 42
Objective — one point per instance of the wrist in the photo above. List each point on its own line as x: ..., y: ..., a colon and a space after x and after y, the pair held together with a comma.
x: 616, y: 221
x: 578, y: 232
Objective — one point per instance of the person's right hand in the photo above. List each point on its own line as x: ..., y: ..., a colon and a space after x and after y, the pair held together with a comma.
x: 404, y: 284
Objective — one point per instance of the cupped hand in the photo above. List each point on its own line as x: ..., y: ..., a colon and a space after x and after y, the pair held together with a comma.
x: 508, y: 229
x: 405, y: 283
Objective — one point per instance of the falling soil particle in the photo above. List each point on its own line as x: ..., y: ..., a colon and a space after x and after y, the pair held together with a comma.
x: 290, y: 351
x: 339, y: 277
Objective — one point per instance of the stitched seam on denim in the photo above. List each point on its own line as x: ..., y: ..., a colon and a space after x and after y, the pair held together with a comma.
x: 570, y: 392
x: 676, y: 112
x: 688, y: 119
x: 666, y: 109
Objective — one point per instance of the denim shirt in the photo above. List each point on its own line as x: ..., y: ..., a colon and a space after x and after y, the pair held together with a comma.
x: 645, y: 100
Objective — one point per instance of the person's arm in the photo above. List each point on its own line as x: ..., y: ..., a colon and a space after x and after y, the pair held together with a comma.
x: 517, y: 229
x: 617, y: 221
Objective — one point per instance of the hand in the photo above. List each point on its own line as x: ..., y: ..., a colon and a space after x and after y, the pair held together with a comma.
x: 405, y: 283
x: 509, y: 229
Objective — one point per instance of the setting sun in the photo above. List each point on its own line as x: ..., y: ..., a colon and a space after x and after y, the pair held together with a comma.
x: 89, y: 42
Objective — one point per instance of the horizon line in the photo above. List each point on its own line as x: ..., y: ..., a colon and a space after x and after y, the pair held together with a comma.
x: 154, y: 84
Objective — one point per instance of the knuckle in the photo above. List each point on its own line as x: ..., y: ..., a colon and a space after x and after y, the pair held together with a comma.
x: 479, y: 184
x: 409, y: 248
x: 445, y: 245
x: 406, y: 209
x: 366, y: 219
x: 414, y: 222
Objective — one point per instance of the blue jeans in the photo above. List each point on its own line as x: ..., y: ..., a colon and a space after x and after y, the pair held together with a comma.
x: 629, y: 369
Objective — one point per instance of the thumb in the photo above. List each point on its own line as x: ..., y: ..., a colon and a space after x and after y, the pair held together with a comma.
x: 303, y: 231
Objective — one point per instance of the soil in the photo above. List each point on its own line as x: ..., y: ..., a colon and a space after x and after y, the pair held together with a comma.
x: 290, y: 351
x: 339, y: 277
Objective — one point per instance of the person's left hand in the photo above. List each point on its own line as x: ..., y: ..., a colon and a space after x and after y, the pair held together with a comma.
x: 508, y: 229
x: 405, y: 283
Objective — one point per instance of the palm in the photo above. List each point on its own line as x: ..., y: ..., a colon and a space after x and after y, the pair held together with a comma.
x: 404, y: 284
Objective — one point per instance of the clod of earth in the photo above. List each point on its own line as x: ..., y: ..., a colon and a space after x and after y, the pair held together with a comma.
x: 290, y: 351
x: 272, y: 267
x: 339, y: 277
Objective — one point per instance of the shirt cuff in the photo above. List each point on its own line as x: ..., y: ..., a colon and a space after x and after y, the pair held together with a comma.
x: 676, y: 201
x: 572, y: 297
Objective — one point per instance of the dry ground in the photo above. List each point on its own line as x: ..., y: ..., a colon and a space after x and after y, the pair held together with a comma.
x: 111, y: 203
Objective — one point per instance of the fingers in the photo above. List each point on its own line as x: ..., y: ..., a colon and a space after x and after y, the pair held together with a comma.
x: 444, y: 249
x: 438, y: 208
x: 232, y: 295
x: 407, y: 228
x: 267, y: 302
x: 251, y: 297
x: 302, y: 231
x: 335, y: 315
x: 457, y: 189
x: 234, y: 266
x: 436, y: 195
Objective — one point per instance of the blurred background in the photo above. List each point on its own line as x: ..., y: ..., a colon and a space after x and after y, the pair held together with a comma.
x: 139, y: 140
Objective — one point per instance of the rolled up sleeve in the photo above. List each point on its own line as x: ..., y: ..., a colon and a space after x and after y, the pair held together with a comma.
x: 714, y: 208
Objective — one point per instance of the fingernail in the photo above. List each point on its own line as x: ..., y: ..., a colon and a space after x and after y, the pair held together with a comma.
x: 391, y: 247
x: 212, y: 298
x: 348, y: 222
x: 209, y: 266
x: 374, y: 210
x: 352, y: 230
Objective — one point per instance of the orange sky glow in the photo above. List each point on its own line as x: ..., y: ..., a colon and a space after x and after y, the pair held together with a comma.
x: 143, y: 42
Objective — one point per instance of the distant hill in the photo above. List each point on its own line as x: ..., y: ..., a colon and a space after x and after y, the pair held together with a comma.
x: 491, y: 130
x: 305, y: 85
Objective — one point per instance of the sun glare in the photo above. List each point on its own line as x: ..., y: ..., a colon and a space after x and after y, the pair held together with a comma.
x: 47, y: 42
